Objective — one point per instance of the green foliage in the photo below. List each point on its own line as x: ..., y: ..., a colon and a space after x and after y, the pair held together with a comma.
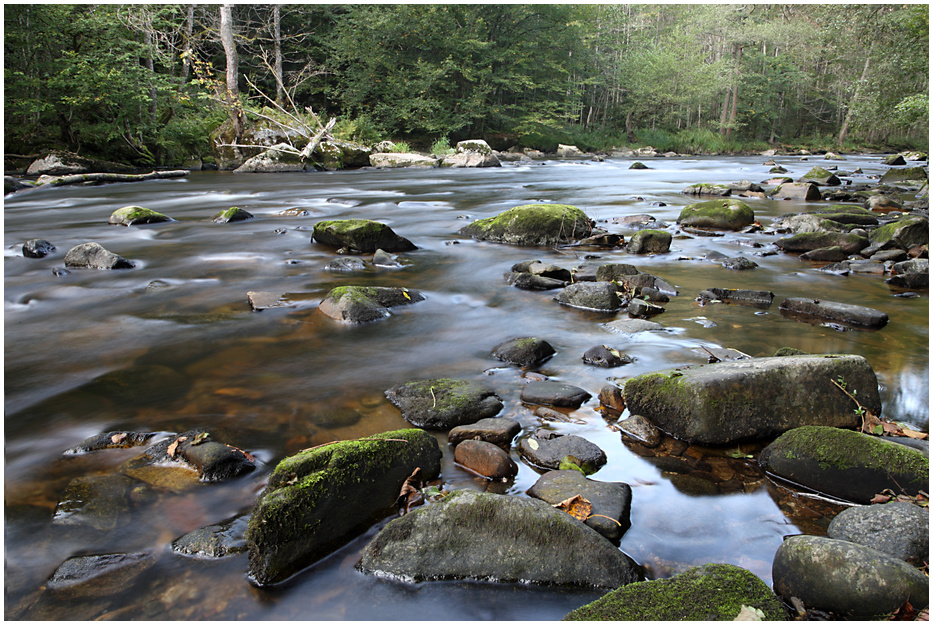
x: 400, y: 147
x: 441, y: 147
x: 360, y: 129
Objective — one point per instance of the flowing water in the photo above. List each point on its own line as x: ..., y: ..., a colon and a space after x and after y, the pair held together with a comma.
x: 284, y: 379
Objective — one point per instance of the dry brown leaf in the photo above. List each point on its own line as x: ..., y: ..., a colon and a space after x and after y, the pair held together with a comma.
x: 174, y: 446
x: 411, y: 489
x: 880, y: 499
x: 118, y: 438
x: 576, y: 506
x: 914, y: 434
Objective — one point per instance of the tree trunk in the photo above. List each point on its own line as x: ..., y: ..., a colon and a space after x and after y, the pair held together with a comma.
x: 725, y: 113
x: 189, y: 31
x: 233, y: 90
x: 277, y: 36
x: 855, y: 96
x: 150, y: 65
x: 735, y: 91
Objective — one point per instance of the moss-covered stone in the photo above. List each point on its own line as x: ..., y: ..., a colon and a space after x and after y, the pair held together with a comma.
x: 820, y: 175
x: 232, y: 214
x: 905, y: 174
x: 906, y: 233
x: 809, y: 241
x: 649, y: 242
x: 362, y: 235
x: 319, y: 499
x: 704, y: 188
x: 361, y: 304
x: 533, y: 224
x: 846, y: 464
x: 718, y: 214
x: 854, y: 215
x: 136, y: 215
x: 726, y: 402
x: 712, y: 592
x: 443, y: 403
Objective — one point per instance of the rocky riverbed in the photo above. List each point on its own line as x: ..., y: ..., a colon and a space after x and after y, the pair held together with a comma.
x: 536, y: 450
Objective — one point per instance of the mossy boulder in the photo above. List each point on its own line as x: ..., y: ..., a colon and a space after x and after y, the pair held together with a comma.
x: 809, y: 241
x: 844, y: 463
x: 840, y: 312
x: 717, y: 214
x: 362, y: 235
x: 725, y: 402
x: 649, y: 242
x: 846, y: 579
x: 502, y: 538
x: 849, y: 215
x: 533, y: 224
x: 232, y: 214
x: 712, y: 592
x: 906, y: 174
x: 319, y: 499
x: 905, y: 233
x: 361, y: 304
x: 819, y: 175
x: 336, y: 154
x: 136, y: 215
x: 443, y: 403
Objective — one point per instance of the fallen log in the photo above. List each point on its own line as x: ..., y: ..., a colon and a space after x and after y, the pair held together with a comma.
x: 102, y: 177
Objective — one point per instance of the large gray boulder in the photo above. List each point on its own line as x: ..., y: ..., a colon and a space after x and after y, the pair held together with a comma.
x: 319, y: 499
x: 508, y: 539
x: 821, y: 176
x: 443, y: 404
x: 898, y: 528
x: 58, y: 163
x: 533, y: 224
x: 712, y: 592
x: 902, y: 175
x: 93, y: 256
x: 846, y: 579
x: 845, y: 464
x: 362, y: 235
x: 649, y: 242
x: 361, y: 304
x: 281, y: 157
x: 611, y: 501
x: 806, y: 191
x: 332, y: 154
x: 905, y: 233
x: 726, y: 402
x: 472, y: 153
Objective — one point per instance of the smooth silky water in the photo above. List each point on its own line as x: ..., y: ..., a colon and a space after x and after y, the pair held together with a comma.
x: 285, y: 379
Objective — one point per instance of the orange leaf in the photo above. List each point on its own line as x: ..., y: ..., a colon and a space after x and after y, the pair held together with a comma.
x: 171, y: 448
x: 576, y: 506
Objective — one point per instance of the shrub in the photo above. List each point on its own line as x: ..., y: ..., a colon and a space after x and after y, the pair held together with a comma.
x: 441, y: 147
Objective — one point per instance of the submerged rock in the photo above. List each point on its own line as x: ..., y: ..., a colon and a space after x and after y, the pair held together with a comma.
x: 101, y: 502
x: 501, y: 538
x: 611, y: 501
x: 726, y: 402
x: 360, y: 304
x: 214, y: 541
x: 550, y: 393
x: 717, y: 214
x: 442, y: 403
x: 362, y: 235
x: 102, y: 575
x: 533, y: 224
x: 319, y: 499
x: 712, y: 592
x: 194, y: 450
x: 849, y: 314
x: 845, y: 578
x: 844, y: 463
x: 117, y: 439
x: 898, y: 528
x: 760, y: 299
x: 93, y: 256
x: 136, y: 215
x: 807, y: 241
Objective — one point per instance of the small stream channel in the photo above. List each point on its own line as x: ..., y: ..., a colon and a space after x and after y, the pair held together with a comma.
x: 285, y: 379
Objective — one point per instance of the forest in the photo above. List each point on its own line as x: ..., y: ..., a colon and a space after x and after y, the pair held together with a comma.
x: 146, y: 84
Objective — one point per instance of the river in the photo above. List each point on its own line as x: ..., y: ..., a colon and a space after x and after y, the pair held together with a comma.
x: 270, y: 382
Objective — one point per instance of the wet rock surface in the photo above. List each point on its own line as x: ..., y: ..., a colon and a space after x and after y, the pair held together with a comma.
x: 361, y: 304
x: 611, y: 501
x: 850, y: 314
x: 92, y: 255
x: 547, y: 450
x: 533, y: 224
x: 485, y: 459
x: 550, y: 393
x: 362, y: 235
x: 443, y: 403
x: 898, y: 528
x: 524, y: 352
x: 214, y: 541
x: 846, y: 578
x: 504, y: 538
x: 498, y: 431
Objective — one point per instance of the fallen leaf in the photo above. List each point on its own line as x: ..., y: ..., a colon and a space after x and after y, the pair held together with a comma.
x: 532, y: 443
x: 906, y: 612
x: 411, y: 490
x: 880, y: 499
x: 576, y: 506
x: 914, y: 433
x: 118, y: 438
x: 747, y: 613
x: 200, y: 438
x: 171, y: 448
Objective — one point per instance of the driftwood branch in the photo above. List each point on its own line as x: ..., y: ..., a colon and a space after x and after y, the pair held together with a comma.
x: 316, y: 139
x: 58, y: 181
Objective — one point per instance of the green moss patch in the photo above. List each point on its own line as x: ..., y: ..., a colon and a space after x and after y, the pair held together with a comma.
x: 533, y: 224
x: 719, y: 214
x: 134, y: 215
x: 712, y: 592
